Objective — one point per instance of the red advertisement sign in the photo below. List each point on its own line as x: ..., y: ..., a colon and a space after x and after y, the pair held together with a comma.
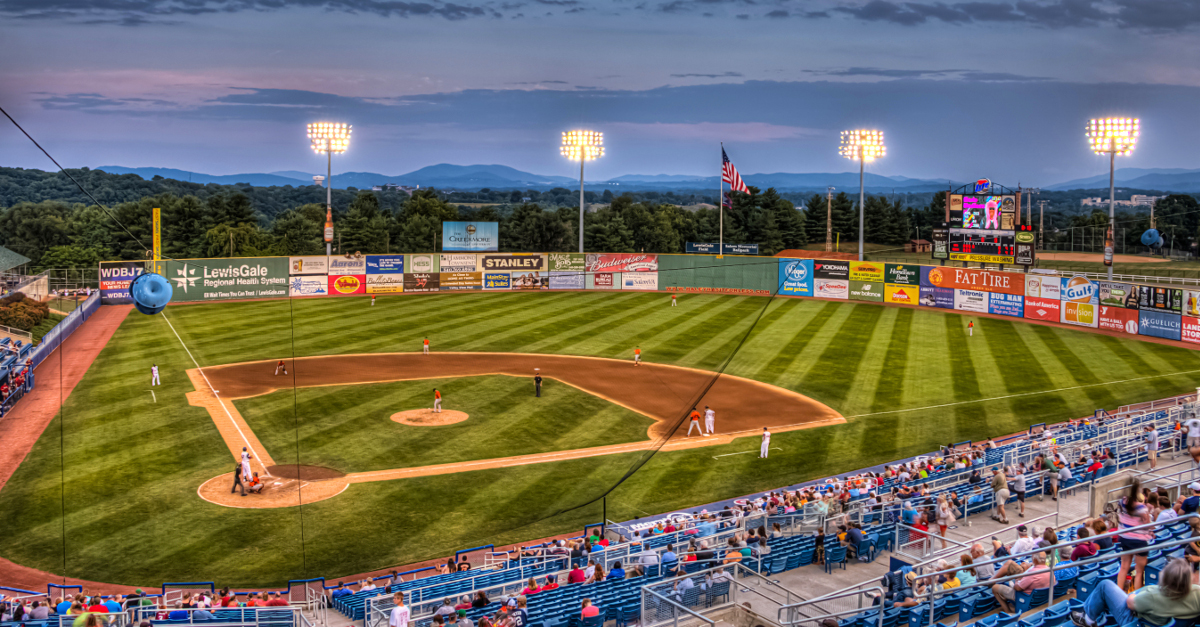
x: 1191, y: 330
x: 1124, y: 320
x: 621, y: 262
x: 604, y: 281
x: 347, y: 285
x: 980, y: 280
x: 1042, y: 308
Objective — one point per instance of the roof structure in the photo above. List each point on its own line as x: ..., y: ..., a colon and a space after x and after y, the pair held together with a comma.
x: 10, y: 259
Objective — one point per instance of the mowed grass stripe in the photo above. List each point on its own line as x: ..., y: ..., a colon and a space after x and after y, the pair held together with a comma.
x: 790, y: 351
x: 712, y: 353
x: 889, y: 389
x: 866, y: 376
x: 578, y: 314
x: 829, y: 378
x: 673, y: 339
x: 1071, y: 363
x: 1019, y: 367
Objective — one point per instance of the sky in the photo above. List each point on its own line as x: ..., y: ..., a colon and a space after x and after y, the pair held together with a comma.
x: 961, y: 90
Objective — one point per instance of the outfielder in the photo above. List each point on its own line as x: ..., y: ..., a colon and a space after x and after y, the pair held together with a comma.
x: 280, y: 366
x: 710, y: 419
x: 372, y: 300
x: 425, y: 345
x: 695, y: 423
x: 437, y: 401
x: 766, y: 444
x: 637, y: 356
x: 154, y: 375
x: 673, y: 303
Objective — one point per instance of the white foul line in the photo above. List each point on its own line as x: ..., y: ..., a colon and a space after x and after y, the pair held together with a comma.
x: 153, y: 396
x: 216, y: 394
x: 776, y: 448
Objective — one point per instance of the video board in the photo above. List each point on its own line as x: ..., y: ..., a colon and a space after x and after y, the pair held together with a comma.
x: 983, y: 228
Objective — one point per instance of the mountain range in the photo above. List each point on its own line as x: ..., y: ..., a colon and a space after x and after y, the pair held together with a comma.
x: 474, y: 177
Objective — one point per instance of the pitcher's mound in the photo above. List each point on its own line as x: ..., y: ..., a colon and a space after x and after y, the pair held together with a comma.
x: 304, y: 473
x: 426, y: 417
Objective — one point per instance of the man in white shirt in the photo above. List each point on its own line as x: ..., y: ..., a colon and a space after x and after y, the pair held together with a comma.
x: 649, y: 558
x: 1152, y: 445
x: 1193, y: 434
x: 710, y: 420
x: 399, y: 616
x: 1024, y: 543
x: 766, y: 444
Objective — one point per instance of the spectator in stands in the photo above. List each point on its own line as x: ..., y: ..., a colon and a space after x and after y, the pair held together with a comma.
x: 40, y: 610
x: 1049, y: 544
x: 462, y: 620
x: 1175, y: 597
x: 704, y: 553
x: 1024, y: 543
x: 589, y: 610
x: 464, y: 602
x: 97, y: 606
x: 966, y: 574
x: 1018, y: 487
x: 367, y: 585
x: 551, y: 583
x: 982, y: 571
x: 277, y: 601
x: 520, y: 614
x: 1084, y: 550
x: 481, y: 599
x: 617, y: 572
x: 945, y: 517
x: 531, y: 587
x: 597, y: 575
x: 1037, y: 576
x: 178, y: 613
x: 400, y: 615
x: 1192, y: 503
x: 1000, y: 490
x: 341, y: 591
x: 1170, y: 510
x: 1132, y: 512
x: 1099, y: 527
x: 575, y: 576
x: 113, y: 604
x: 648, y: 558
x: 446, y: 609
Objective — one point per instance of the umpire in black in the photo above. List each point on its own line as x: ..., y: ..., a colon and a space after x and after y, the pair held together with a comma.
x: 537, y: 383
x: 237, y: 480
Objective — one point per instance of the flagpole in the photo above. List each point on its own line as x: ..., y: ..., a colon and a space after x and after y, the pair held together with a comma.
x: 721, y: 202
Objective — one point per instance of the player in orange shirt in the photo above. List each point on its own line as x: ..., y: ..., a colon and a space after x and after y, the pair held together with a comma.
x: 426, y: 346
x: 637, y: 356
x: 695, y: 423
x: 437, y: 401
x: 673, y: 303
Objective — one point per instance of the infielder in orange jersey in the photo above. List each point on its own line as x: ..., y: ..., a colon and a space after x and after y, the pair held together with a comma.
x: 437, y: 401
x: 637, y: 356
x: 695, y: 420
x: 280, y: 367
x: 673, y: 303
x: 426, y: 346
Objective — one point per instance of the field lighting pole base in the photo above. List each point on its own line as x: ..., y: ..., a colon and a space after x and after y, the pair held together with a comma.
x: 581, y: 160
x: 862, y: 210
x: 1112, y: 214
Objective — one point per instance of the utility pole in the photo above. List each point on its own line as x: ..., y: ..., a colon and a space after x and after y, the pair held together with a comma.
x: 829, y: 219
x: 1042, y: 224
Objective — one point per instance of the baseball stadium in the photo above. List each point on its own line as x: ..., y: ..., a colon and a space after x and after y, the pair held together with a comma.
x: 455, y: 424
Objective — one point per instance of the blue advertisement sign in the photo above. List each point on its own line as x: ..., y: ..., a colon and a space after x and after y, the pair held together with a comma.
x: 1007, y: 305
x: 471, y: 237
x: 705, y: 248
x: 1160, y: 324
x: 497, y: 281
x: 385, y: 264
x: 941, y: 297
x: 567, y: 280
x: 795, y: 277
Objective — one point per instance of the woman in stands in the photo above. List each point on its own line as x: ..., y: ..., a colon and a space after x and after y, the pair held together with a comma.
x: 480, y: 600
x: 1100, y: 527
x: 1174, y: 598
x: 1131, y: 513
x: 945, y: 516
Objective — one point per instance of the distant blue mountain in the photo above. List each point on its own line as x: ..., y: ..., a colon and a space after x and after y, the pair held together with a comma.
x: 1164, y: 179
x: 257, y: 180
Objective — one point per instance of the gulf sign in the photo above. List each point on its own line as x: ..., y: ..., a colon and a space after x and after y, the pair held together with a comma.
x: 347, y: 284
x: 1079, y: 289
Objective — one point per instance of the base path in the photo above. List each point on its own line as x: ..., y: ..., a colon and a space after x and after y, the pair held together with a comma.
x: 661, y: 392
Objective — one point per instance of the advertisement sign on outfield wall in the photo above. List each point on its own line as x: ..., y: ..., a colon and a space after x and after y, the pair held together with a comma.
x: 470, y: 236
x: 1039, y: 286
x: 339, y: 266
x: 530, y: 281
x: 825, y: 269
x: 901, y: 294
x: 385, y: 264
x: 1191, y: 303
x: 308, y: 286
x: 1160, y: 299
x: 639, y: 281
x: 869, y: 291
x: 976, y: 280
x: 308, y: 265
x: 347, y: 284
x: 227, y: 279
x: 1160, y: 324
x: 1080, y: 289
x: 621, y: 262
x: 421, y: 281
x: 795, y: 277
x: 1119, y: 319
x: 385, y: 283
x: 1118, y: 295
x: 425, y: 264
x: 971, y: 300
x: 459, y: 262
x: 939, y: 297
x: 866, y: 271
x: 1191, y: 330
x: 496, y: 281
x: 831, y: 288
x: 1079, y: 314
x: 1042, y: 308
x: 455, y: 281
x: 114, y: 281
x: 604, y: 281
x: 571, y: 280
x: 566, y: 262
x: 1006, y: 305
x: 512, y: 262
x: 902, y: 274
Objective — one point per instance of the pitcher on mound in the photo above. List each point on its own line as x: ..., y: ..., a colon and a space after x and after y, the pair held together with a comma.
x: 437, y: 401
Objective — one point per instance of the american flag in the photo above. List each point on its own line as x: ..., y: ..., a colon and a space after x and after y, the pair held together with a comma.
x: 729, y: 174
x: 727, y: 199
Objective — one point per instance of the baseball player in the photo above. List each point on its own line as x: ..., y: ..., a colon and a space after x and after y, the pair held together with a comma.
x: 673, y: 303
x: 437, y: 401
x: 766, y: 444
x: 971, y: 328
x: 154, y: 375
x: 710, y: 419
x: 425, y: 345
x: 695, y: 423
x: 637, y: 356
x: 537, y: 384
x: 372, y: 300
x: 280, y: 367
x: 246, y: 474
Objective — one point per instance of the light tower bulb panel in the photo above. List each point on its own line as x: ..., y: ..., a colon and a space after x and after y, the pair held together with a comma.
x: 582, y: 145
x: 333, y: 137
x: 1113, y: 135
x: 862, y: 144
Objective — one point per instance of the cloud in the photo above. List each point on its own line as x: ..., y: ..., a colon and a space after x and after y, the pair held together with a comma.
x: 139, y: 12
x: 749, y: 132
x: 777, y: 13
x: 1154, y: 15
x: 722, y: 75
x: 957, y: 74
x: 97, y: 103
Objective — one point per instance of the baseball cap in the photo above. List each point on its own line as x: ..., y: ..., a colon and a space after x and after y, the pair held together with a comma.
x: 1194, y: 486
x: 462, y: 612
x: 1022, y: 529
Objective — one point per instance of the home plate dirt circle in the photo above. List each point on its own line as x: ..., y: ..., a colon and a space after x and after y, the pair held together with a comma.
x: 427, y: 417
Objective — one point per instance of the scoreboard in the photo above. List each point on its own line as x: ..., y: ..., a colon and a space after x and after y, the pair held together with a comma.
x: 982, y: 228
x: 987, y: 246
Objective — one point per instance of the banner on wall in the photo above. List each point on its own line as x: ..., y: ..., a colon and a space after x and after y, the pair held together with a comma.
x: 639, y: 281
x: 308, y: 265
x: 566, y: 262
x: 470, y: 236
x: 1007, y: 305
x: 901, y: 294
x: 385, y: 264
x: 1118, y: 295
x: 621, y: 262
x: 512, y: 262
x: 604, y: 281
x: 971, y: 300
x: 1160, y: 324
x: 902, y: 274
x: 796, y: 277
x: 825, y: 269
x: 422, y: 282
x: 458, y: 262
x: 1080, y: 301
x: 571, y: 280
x: 347, y: 284
x: 869, y: 291
x: 227, y: 279
x: 866, y: 271
x: 971, y: 279
x: 1079, y: 314
x: 385, y: 283
x: 939, y: 297
x: 1042, y: 308
x: 1037, y: 286
x: 1119, y: 319
x: 496, y: 281
x: 1160, y: 299
x: 115, y: 277
x: 1190, y: 330
x: 308, y: 286
x: 453, y: 281
x: 530, y: 281
x: 1191, y: 303
x: 831, y: 288
x: 339, y: 266
x: 423, y: 264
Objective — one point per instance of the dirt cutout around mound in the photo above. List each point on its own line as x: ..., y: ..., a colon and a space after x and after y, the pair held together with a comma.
x: 305, y: 473
x: 661, y: 392
x: 428, y: 417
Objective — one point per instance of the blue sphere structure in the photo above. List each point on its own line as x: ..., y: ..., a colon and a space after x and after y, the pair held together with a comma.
x: 1152, y: 238
x: 150, y: 293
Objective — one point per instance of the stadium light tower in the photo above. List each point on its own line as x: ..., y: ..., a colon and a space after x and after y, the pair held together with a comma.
x: 862, y: 145
x: 1112, y: 136
x: 582, y: 146
x: 328, y: 138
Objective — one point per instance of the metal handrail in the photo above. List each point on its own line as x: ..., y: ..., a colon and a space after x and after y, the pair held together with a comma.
x: 791, y: 608
x: 679, y: 606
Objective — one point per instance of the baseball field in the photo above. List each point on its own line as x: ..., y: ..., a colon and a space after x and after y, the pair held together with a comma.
x: 842, y: 386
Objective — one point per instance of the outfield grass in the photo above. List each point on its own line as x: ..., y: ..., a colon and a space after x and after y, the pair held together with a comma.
x: 907, y: 379
x: 349, y: 428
